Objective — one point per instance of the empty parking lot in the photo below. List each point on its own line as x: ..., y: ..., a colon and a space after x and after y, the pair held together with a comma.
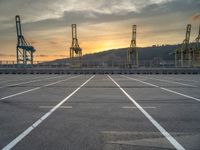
x: 99, y: 112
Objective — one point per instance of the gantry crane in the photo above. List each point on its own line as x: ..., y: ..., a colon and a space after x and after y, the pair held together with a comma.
x: 23, y: 49
x: 183, y: 55
x: 132, y: 53
x: 75, y: 50
x: 196, y: 51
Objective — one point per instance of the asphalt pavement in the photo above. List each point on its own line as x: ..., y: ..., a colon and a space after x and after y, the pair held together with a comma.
x: 99, y: 112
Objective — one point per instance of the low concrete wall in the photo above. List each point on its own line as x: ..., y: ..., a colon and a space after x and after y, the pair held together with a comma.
x: 99, y: 71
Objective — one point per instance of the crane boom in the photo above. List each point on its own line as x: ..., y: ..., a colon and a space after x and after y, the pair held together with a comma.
x: 24, y: 51
x: 132, y: 53
x: 75, y: 50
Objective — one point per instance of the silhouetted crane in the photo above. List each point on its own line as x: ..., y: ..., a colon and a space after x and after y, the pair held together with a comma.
x: 75, y: 50
x: 183, y: 55
x: 132, y: 53
x: 24, y: 50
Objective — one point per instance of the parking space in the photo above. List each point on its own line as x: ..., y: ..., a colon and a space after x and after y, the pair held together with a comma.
x: 101, y: 112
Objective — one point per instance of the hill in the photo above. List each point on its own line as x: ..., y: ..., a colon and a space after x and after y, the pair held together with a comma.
x: 161, y: 53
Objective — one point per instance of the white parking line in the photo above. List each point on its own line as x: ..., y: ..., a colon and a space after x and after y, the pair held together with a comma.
x: 181, y: 79
x: 19, y: 79
x: 171, y: 139
x: 20, y: 93
x: 33, y: 89
x: 22, y: 83
x: 174, y: 82
x: 133, y: 107
x: 53, y: 106
x: 9, y: 76
x: 165, y: 89
x: 34, y: 125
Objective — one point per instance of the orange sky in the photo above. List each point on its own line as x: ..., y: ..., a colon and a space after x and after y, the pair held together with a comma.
x: 57, y: 45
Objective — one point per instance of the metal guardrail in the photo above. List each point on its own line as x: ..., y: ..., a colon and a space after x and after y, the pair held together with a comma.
x: 99, y: 71
x: 96, y: 67
x: 90, y: 64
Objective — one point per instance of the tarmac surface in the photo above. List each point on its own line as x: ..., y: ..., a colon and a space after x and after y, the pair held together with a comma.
x: 99, y: 112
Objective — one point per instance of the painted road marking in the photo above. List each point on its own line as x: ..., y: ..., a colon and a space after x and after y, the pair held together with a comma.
x: 10, y: 76
x: 105, y: 79
x: 20, y: 93
x: 33, y: 89
x: 168, y: 90
x: 19, y: 79
x: 22, y: 83
x: 181, y: 79
x: 34, y: 125
x: 170, y: 81
x: 133, y: 107
x: 53, y: 106
x: 167, y: 135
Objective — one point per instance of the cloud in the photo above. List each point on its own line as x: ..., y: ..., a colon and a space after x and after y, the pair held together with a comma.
x: 196, y: 17
x: 92, y: 12
x: 50, y: 55
x: 10, y: 55
x: 103, y: 20
x: 37, y: 10
x: 33, y: 42
x: 53, y: 42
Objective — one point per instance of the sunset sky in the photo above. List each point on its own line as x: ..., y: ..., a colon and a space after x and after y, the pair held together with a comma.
x: 102, y: 24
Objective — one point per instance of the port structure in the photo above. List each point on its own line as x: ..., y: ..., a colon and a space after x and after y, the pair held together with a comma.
x: 132, y: 52
x: 75, y: 50
x: 24, y: 51
x: 188, y: 54
x: 183, y: 54
x: 196, y: 51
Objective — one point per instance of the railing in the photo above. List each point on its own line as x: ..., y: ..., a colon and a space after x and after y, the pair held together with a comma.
x: 90, y: 64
